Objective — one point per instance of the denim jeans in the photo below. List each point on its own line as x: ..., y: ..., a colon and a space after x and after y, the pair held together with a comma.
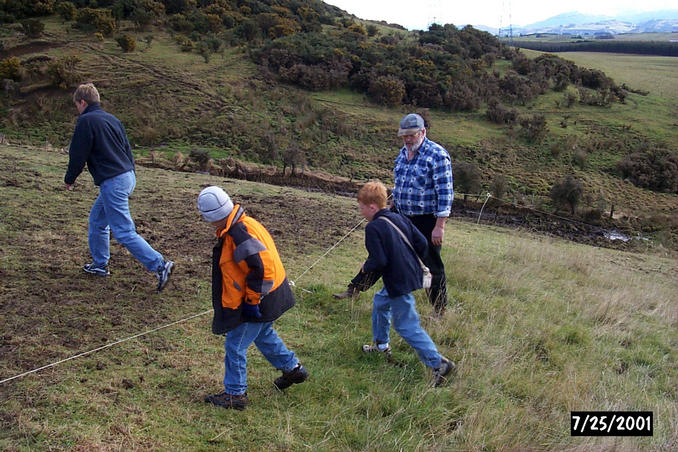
x: 405, y: 322
x: 269, y: 344
x: 110, y: 213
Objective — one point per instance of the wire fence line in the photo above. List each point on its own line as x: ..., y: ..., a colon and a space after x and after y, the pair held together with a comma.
x: 292, y: 282
x: 134, y: 336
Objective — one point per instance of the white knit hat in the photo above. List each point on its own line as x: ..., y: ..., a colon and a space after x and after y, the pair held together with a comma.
x: 214, y: 204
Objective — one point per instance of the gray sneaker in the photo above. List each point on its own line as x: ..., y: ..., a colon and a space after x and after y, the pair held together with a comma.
x: 439, y: 374
x: 163, y: 274
x: 374, y: 348
x: 94, y: 270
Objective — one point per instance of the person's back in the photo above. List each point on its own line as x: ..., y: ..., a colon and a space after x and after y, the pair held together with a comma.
x: 100, y: 140
x: 395, y: 260
x: 391, y: 256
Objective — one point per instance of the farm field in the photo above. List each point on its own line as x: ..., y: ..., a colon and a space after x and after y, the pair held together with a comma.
x: 538, y: 327
x: 655, y: 74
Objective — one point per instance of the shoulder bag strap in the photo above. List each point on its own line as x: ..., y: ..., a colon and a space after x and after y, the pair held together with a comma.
x: 423, y: 267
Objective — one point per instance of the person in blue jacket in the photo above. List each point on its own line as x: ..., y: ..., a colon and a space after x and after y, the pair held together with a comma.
x: 395, y: 260
x: 100, y: 141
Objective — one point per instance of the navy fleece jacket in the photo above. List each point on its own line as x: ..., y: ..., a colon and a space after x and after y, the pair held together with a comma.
x: 100, y: 141
x: 391, y: 256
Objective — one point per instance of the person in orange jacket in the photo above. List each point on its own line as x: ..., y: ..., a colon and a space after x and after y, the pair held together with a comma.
x: 249, y: 291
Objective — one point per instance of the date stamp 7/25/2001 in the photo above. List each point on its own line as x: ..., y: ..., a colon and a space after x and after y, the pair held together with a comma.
x: 611, y: 423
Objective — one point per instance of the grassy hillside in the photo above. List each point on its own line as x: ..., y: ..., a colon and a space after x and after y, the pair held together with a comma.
x: 183, y: 106
x: 538, y: 327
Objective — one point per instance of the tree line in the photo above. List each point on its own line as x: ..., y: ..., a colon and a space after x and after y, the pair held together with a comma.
x: 660, y: 48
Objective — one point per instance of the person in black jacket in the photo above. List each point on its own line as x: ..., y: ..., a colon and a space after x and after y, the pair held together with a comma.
x: 100, y: 141
x: 423, y: 191
x: 397, y: 263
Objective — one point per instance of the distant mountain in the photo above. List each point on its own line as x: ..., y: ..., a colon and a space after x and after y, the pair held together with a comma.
x: 570, y: 18
x: 663, y: 21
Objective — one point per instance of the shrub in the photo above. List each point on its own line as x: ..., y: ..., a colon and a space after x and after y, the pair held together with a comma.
x: 534, y: 128
x: 200, y: 156
x: 656, y: 170
x: 62, y: 72
x: 569, y: 99
x: 466, y: 178
x: 579, y: 158
x: 184, y: 42
x: 66, y: 10
x: 387, y: 90
x: 499, y: 114
x: 499, y: 186
x: 357, y: 28
x: 10, y: 68
x: 567, y: 192
x: 32, y: 27
x: 100, y: 20
x: 127, y: 43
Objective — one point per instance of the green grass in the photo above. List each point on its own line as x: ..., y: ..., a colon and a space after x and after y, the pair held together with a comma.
x: 537, y: 326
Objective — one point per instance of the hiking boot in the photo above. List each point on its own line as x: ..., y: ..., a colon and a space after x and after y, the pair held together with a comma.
x: 375, y: 348
x: 351, y: 292
x: 94, y: 270
x: 163, y: 274
x: 228, y: 401
x: 295, y: 376
x: 439, y: 374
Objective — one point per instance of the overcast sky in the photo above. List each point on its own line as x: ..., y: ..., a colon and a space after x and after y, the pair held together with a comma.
x: 418, y: 14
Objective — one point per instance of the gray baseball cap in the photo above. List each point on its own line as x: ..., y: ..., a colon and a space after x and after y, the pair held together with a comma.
x: 411, y: 124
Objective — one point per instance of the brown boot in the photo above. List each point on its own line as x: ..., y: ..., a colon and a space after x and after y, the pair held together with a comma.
x: 228, y: 401
x: 351, y: 292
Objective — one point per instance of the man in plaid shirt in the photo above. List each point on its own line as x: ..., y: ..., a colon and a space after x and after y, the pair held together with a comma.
x: 423, y: 192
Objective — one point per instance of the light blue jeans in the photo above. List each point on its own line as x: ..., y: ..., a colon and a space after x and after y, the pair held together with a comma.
x: 405, y: 322
x: 110, y: 213
x: 269, y: 344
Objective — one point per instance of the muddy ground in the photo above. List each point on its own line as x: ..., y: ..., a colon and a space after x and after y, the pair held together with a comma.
x: 50, y: 309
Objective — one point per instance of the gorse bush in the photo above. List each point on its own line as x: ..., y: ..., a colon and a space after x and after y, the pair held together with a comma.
x: 467, y: 178
x: 127, y: 43
x: 62, y: 72
x: 656, y: 169
x: 10, y: 68
x: 445, y: 67
x: 534, y: 128
x: 66, y: 10
x: 100, y: 20
x: 32, y: 27
x: 498, y: 113
x: 567, y: 192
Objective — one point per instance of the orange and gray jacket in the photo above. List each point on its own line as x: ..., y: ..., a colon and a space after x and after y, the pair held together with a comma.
x: 246, y: 268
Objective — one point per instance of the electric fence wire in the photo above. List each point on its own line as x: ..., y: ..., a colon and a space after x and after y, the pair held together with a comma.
x: 292, y: 283
x: 89, y: 352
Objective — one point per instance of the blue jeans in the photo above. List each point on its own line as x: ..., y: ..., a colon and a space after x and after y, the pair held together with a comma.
x: 405, y: 322
x: 269, y: 344
x: 110, y: 213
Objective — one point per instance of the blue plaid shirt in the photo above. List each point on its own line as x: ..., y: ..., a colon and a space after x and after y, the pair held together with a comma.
x: 423, y: 185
